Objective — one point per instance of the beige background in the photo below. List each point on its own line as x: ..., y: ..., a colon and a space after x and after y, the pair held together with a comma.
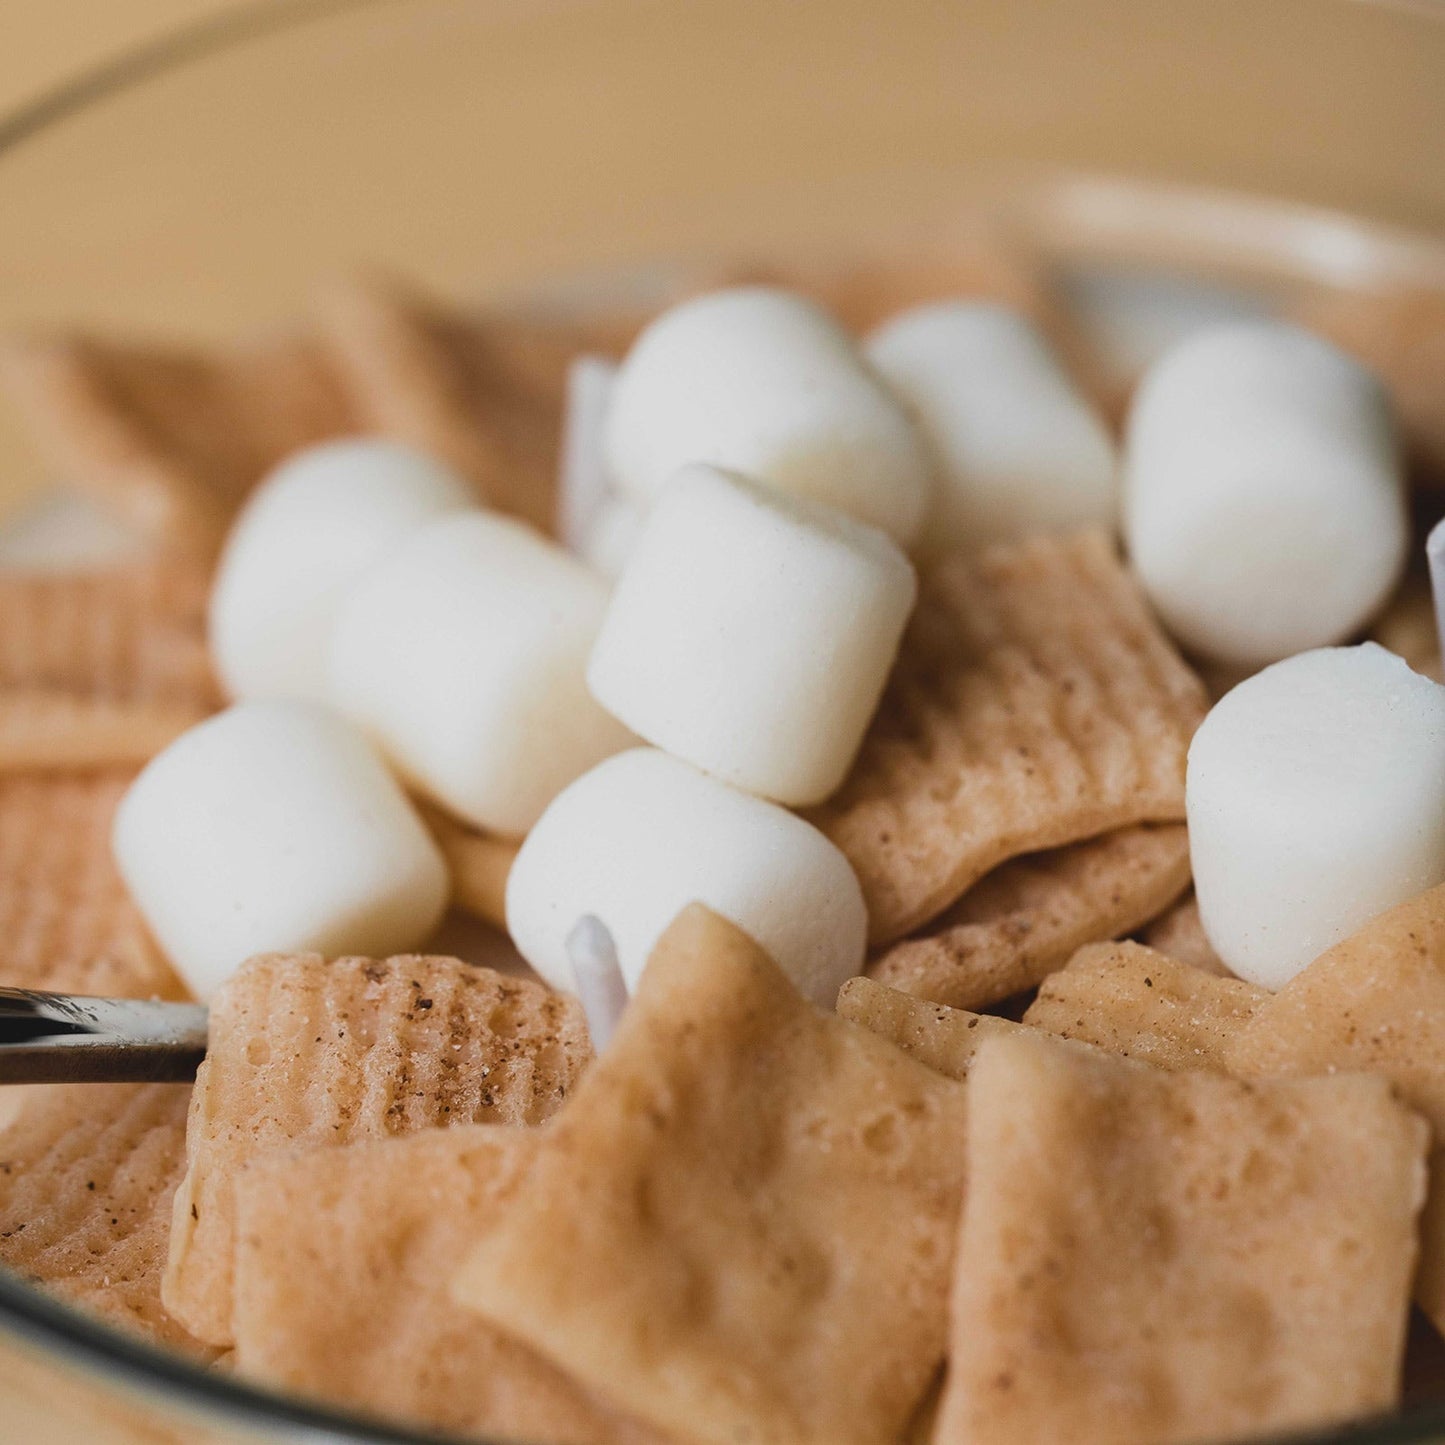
x: 43, y: 42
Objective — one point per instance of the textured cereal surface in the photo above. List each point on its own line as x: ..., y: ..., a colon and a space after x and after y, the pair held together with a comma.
x: 1130, y: 1000
x: 174, y: 439
x: 740, y: 1228
x: 309, y: 1054
x: 1375, y: 1001
x: 343, y: 1263
x: 945, y: 1039
x: 1152, y: 1257
x: 1028, y: 916
x: 1179, y: 932
x: 66, y: 921
x: 1035, y: 703
x: 87, y: 1174
x: 486, y: 394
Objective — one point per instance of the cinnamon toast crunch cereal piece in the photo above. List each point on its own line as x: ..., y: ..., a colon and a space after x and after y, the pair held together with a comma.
x: 173, y: 439
x: 1019, y: 923
x: 65, y: 917
x: 49, y: 731
x: 1179, y: 932
x: 99, y: 669
x: 486, y: 395
x: 1400, y: 335
x: 342, y: 1265
x: 87, y: 1173
x: 128, y: 635
x: 1035, y: 703
x: 1375, y: 1001
x: 480, y: 865
x: 1154, y: 1257
x: 1130, y: 1000
x: 945, y: 1039
x: 307, y: 1054
x: 740, y: 1227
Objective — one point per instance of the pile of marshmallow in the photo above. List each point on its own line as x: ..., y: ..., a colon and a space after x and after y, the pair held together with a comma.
x: 647, y: 703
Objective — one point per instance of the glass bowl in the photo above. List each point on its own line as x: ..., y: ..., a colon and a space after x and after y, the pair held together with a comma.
x: 1168, y: 160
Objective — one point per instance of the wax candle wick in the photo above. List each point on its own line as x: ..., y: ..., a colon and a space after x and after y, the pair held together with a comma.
x: 598, y: 975
x: 1435, y: 554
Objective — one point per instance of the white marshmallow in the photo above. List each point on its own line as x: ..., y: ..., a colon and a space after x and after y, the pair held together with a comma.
x: 1016, y: 448
x: 463, y: 653
x: 752, y: 633
x: 1316, y: 799
x: 611, y: 535
x: 275, y: 827
x: 763, y: 381
x: 643, y: 835
x: 308, y: 532
x: 1264, y: 501
x: 583, y: 486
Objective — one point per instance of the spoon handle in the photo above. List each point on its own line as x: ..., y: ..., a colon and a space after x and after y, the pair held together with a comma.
x: 60, y: 1038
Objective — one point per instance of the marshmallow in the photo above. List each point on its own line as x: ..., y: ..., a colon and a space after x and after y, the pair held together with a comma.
x: 583, y: 486
x: 1316, y: 799
x: 463, y: 652
x: 275, y: 827
x: 1016, y: 448
x: 643, y: 835
x: 611, y: 535
x: 1264, y: 502
x: 751, y: 633
x: 308, y: 532
x: 763, y: 381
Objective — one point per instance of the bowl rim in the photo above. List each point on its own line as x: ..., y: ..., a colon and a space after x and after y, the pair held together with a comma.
x: 65, y: 1337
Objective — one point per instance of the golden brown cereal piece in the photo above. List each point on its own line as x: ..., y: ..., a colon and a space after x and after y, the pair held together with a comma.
x: 485, y: 394
x: 87, y: 1172
x: 1019, y: 923
x: 1374, y: 1002
x: 740, y: 1227
x: 1400, y: 335
x: 343, y: 1260
x: 1131, y: 1000
x: 307, y: 1054
x: 943, y: 1038
x: 1151, y: 1257
x: 1035, y: 703
x: 173, y: 439
x: 1407, y: 625
x: 101, y: 669
x: 479, y: 867
x: 133, y: 634
x: 1180, y: 934
x: 48, y: 731
x: 66, y: 920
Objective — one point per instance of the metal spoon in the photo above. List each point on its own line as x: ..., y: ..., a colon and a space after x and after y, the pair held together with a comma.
x: 60, y: 1038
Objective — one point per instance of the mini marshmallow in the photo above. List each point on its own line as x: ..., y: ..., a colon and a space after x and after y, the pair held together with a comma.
x: 1316, y: 799
x: 463, y: 652
x: 763, y: 381
x: 275, y: 827
x: 1016, y: 448
x: 583, y: 486
x: 751, y: 633
x: 308, y: 532
x: 1264, y: 500
x: 643, y: 835
x: 611, y: 535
